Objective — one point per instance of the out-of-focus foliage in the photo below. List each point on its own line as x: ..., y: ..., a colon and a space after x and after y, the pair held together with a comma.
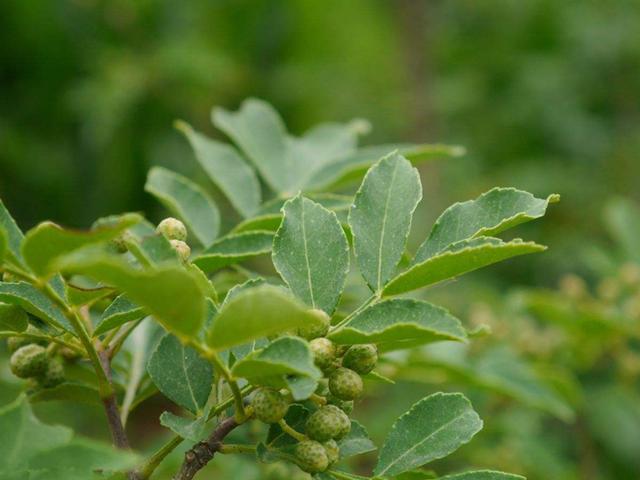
x: 545, y: 95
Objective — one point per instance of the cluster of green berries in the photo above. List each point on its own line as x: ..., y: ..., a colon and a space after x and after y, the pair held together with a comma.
x: 31, y: 361
x: 175, y: 231
x: 342, y: 367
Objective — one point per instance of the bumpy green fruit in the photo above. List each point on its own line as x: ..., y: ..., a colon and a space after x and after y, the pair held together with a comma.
x: 343, y: 421
x: 361, y: 358
x: 184, y: 251
x: 173, y: 229
x: 345, y: 384
x: 54, y: 375
x: 324, y: 424
x: 345, y: 405
x: 311, y: 456
x: 319, y: 328
x: 333, y: 451
x: 270, y: 406
x: 29, y: 361
x: 324, y: 352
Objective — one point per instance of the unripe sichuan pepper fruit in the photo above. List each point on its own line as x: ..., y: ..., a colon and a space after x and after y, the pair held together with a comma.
x: 311, y: 456
x: 361, y: 359
x: 343, y: 421
x: 54, y: 374
x: 173, y: 229
x: 29, y: 361
x: 323, y: 424
x: 324, y: 352
x: 317, y: 329
x: 184, y: 251
x: 345, y: 384
x: 332, y: 450
x: 269, y: 406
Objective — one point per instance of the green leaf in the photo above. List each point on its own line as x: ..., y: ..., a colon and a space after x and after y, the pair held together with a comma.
x: 262, y: 223
x: 181, y: 374
x: 119, y: 312
x: 186, y: 200
x: 171, y: 294
x: 47, y: 241
x: 259, y: 131
x: 83, y: 459
x: 14, y: 235
x: 227, y: 169
x: 35, y: 302
x: 400, y: 323
x: 356, y: 442
x: 187, y: 428
x: 233, y: 249
x: 255, y: 313
x: 4, y: 244
x: 462, y: 257
x: 78, y: 296
x: 433, y: 428
x: 311, y: 253
x: 13, y: 318
x: 68, y: 392
x: 483, y: 475
x: 380, y: 217
x: 24, y: 437
x: 351, y: 168
x: 492, y: 212
x: 271, y: 366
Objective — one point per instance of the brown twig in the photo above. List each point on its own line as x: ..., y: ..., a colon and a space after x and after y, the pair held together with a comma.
x: 201, y: 453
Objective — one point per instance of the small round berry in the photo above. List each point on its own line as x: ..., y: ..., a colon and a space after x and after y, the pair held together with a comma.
x: 173, y: 229
x: 345, y: 384
x: 270, y: 406
x: 323, y: 424
x: 343, y: 421
x: 54, y: 375
x: 311, y: 456
x: 361, y: 359
x: 345, y: 405
x: 29, y: 361
x: 184, y: 251
x: 319, y: 328
x: 332, y: 450
x: 324, y: 352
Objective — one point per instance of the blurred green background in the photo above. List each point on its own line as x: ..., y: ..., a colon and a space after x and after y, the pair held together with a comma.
x: 545, y: 96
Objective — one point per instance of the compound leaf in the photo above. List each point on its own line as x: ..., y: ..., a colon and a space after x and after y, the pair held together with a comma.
x: 233, y: 249
x: 260, y: 133
x: 119, y: 312
x: 462, y: 257
x: 311, y: 253
x: 492, y: 212
x: 400, y: 323
x: 433, y: 428
x: 227, y: 169
x: 380, y: 217
x: 47, y: 241
x: 181, y: 374
x: 274, y: 364
x: 186, y: 200
x: 14, y: 235
x: 35, y: 302
x: 24, y: 437
x: 171, y: 294
x: 255, y: 313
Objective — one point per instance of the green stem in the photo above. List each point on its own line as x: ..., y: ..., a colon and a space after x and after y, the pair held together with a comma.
x: 222, y: 369
x: 149, y: 466
x: 233, y: 448
x: 32, y: 336
x: 373, y: 298
x: 291, y: 432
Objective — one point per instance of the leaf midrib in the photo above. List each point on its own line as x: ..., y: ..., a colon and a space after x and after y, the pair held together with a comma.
x: 384, y: 224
